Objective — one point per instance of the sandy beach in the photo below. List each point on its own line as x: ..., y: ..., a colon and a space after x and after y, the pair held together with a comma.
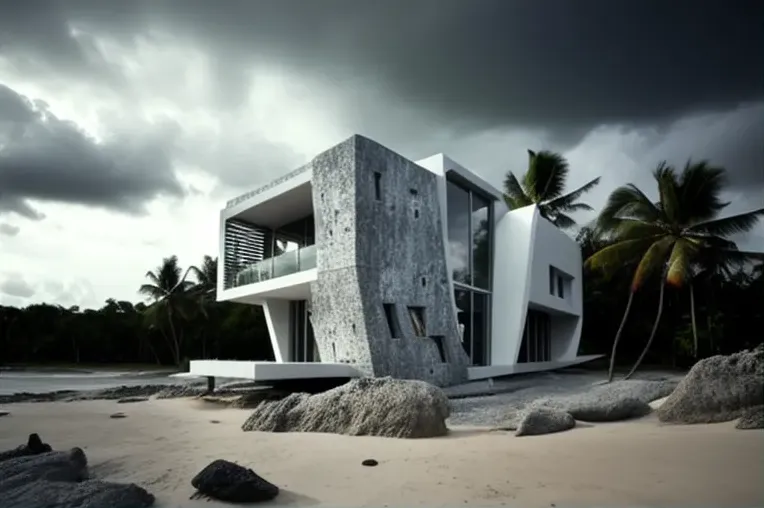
x: 162, y: 444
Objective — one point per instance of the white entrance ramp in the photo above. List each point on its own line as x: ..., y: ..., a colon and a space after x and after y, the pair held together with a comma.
x: 490, y: 371
x: 271, y: 371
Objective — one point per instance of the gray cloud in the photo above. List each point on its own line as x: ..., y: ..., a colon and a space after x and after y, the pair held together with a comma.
x: 9, y: 229
x: 46, y: 158
x: 552, y: 64
x: 15, y: 285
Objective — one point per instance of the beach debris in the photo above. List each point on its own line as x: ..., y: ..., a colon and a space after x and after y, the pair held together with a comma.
x: 128, y: 400
x: 369, y: 462
x: 226, y: 481
x: 4, y: 413
x: 752, y: 418
x: 542, y: 420
x: 116, y: 416
x: 384, y: 406
x: 60, y: 480
x: 214, y: 421
x: 34, y: 446
x: 717, y: 389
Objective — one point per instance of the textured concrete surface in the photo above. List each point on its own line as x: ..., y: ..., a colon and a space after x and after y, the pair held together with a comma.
x: 378, y: 231
x: 384, y: 406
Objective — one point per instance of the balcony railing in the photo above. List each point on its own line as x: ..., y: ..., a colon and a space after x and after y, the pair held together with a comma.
x: 286, y: 263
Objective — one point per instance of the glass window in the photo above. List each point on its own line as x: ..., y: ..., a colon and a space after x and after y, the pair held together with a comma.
x: 464, y: 318
x: 479, y: 328
x: 480, y: 242
x: 459, y: 244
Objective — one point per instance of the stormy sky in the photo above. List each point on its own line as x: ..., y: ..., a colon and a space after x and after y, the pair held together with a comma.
x: 124, y: 126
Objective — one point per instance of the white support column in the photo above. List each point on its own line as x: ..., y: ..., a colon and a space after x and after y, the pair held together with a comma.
x: 277, y: 318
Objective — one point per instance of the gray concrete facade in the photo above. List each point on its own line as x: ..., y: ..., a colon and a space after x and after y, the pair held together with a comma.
x: 381, y: 258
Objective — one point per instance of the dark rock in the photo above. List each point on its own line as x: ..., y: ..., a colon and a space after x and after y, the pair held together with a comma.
x: 252, y: 399
x: 60, y: 480
x: 128, y: 400
x: 4, y: 413
x: 752, y: 418
x: 226, y: 481
x: 540, y: 421
x: 717, y: 389
x: 369, y: 462
x: 34, y: 446
x: 362, y: 407
x: 214, y: 421
x: 118, y: 415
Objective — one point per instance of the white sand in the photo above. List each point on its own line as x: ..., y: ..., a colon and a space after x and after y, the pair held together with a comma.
x: 162, y: 444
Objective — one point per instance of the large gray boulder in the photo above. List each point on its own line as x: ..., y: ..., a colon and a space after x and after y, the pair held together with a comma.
x: 717, y: 389
x: 230, y: 482
x: 540, y: 421
x: 60, y: 480
x: 362, y: 407
x: 752, y: 418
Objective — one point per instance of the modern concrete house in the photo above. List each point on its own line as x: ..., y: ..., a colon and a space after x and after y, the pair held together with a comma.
x: 367, y: 263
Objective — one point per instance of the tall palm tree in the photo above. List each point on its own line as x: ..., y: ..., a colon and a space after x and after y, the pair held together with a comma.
x: 677, y: 236
x: 171, y: 297
x: 544, y: 185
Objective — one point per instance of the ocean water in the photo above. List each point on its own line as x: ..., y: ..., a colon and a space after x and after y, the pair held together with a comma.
x: 49, y: 381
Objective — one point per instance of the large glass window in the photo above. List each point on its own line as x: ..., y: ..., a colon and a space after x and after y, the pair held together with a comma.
x: 458, y: 200
x: 470, y: 235
x: 481, y: 260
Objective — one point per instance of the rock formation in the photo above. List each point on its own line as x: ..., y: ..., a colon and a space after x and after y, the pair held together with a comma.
x: 226, y: 481
x: 717, y: 389
x: 539, y: 421
x: 362, y: 407
x: 41, y: 478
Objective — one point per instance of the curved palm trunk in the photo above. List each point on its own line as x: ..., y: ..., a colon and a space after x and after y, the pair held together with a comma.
x: 652, y: 334
x: 694, y: 324
x: 618, y: 337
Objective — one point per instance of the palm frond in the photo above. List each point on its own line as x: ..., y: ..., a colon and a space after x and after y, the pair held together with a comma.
x: 628, y: 202
x: 567, y: 203
x: 666, y: 177
x: 741, y: 223
x: 629, y: 229
x: 514, y: 194
x: 618, y: 254
x: 654, y: 259
x: 700, y: 187
x: 152, y: 291
x: 546, y: 175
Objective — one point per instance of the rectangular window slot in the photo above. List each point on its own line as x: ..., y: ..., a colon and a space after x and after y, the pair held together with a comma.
x: 417, y: 321
x: 438, y: 340
x: 560, y: 286
x: 551, y: 280
x: 392, y: 320
x: 378, y: 186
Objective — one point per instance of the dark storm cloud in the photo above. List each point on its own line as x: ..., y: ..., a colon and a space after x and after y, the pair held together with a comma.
x: 45, y: 158
x: 555, y: 64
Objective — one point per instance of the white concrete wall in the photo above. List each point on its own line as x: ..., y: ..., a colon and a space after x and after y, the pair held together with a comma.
x: 513, y: 255
x: 277, y: 318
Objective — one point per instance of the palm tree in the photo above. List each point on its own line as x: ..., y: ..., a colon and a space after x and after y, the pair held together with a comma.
x: 544, y: 185
x: 171, y: 301
x: 677, y: 236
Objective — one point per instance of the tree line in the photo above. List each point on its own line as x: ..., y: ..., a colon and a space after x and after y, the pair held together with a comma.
x: 663, y: 284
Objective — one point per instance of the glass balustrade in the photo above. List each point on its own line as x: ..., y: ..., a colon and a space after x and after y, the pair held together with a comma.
x: 287, y: 263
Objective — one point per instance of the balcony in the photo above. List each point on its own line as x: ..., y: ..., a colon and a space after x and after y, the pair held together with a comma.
x: 286, y: 263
